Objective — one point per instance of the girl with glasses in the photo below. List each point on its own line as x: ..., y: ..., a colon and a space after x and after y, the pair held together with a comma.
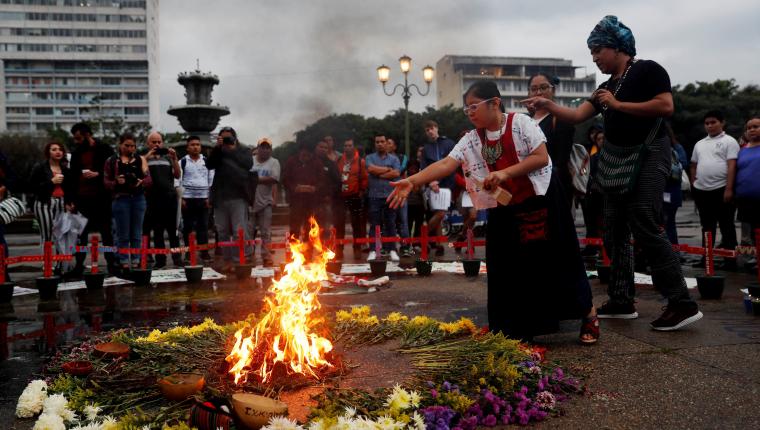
x: 536, y: 275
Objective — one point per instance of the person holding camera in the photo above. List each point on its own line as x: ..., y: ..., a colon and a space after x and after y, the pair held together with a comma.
x: 126, y: 176
x: 162, y: 202
x: 231, y: 190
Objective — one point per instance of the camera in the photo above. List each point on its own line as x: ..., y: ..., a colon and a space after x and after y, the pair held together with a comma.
x: 161, y: 151
x: 228, y: 140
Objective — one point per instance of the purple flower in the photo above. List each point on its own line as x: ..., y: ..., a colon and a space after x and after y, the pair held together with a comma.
x: 446, y: 386
x: 489, y: 421
x: 434, y: 393
x: 430, y: 384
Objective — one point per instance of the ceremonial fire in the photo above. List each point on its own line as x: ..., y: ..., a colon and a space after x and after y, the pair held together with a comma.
x: 285, y: 332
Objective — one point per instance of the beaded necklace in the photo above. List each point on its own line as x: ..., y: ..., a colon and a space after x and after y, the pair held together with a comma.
x: 491, y: 153
x: 620, y: 82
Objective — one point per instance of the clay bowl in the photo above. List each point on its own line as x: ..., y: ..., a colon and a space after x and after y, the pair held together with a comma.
x: 254, y: 411
x: 112, y: 350
x: 180, y: 386
x: 77, y: 368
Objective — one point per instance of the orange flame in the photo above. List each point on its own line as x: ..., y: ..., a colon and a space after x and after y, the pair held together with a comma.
x: 285, y: 333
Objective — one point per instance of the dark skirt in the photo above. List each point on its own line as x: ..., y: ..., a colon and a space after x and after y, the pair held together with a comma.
x: 536, y: 275
x: 749, y: 211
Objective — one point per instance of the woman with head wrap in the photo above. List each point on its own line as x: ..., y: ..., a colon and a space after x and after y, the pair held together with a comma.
x: 633, y: 167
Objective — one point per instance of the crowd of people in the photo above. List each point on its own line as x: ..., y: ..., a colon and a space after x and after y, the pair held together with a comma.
x: 634, y: 190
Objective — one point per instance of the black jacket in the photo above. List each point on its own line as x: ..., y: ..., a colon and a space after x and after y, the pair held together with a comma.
x: 232, y: 177
x: 42, y: 186
x: 102, y: 152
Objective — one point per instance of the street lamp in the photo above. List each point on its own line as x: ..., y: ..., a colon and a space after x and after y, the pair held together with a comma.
x: 383, y: 75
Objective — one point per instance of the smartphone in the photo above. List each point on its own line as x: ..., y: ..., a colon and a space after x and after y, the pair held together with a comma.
x: 161, y: 151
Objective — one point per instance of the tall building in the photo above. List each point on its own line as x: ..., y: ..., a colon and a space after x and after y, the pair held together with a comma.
x: 455, y: 73
x: 62, y: 61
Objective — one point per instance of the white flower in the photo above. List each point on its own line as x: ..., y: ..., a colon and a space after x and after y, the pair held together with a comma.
x: 399, y: 399
x: 546, y: 400
x: 534, y: 370
x: 350, y: 411
x: 49, y: 422
x: 414, y: 398
x: 364, y: 423
x: 387, y: 423
x: 91, y: 426
x: 318, y: 424
x: 282, y: 423
x: 109, y: 423
x: 419, y: 421
x: 91, y: 412
x: 58, y: 405
x: 31, y: 399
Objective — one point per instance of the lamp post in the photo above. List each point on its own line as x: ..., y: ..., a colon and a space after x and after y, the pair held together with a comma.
x: 383, y: 75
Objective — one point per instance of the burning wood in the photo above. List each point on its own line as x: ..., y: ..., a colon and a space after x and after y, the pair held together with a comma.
x: 286, y: 332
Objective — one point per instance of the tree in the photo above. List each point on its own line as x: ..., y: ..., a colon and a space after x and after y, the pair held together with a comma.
x: 694, y: 100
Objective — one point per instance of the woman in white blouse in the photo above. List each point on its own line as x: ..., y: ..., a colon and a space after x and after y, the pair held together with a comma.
x: 536, y: 275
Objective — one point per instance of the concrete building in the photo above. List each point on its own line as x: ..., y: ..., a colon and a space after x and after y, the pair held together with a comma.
x: 455, y: 73
x: 62, y: 61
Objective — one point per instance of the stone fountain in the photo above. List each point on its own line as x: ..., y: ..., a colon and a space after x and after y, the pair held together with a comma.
x: 198, y: 116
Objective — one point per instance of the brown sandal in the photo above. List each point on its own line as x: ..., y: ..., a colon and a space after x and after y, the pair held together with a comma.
x: 589, y: 327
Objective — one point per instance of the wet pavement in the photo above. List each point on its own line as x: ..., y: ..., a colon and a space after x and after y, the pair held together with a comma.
x: 706, y: 376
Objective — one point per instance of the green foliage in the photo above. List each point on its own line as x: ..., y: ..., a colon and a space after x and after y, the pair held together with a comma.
x: 23, y: 151
x: 451, y: 122
x: 694, y: 100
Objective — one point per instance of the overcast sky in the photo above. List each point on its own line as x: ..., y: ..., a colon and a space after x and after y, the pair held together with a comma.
x: 283, y: 64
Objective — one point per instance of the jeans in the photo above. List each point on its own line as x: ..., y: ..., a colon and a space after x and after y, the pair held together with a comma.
x: 195, y: 218
x: 229, y: 217
x: 302, y: 206
x: 402, y: 223
x: 639, y: 213
x: 162, y: 216
x: 262, y: 220
x: 128, y: 213
x: 381, y: 214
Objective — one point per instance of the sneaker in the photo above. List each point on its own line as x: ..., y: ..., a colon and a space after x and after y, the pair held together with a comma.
x: 618, y: 311
x: 394, y: 255
x: 676, y: 316
x: 406, y: 252
x: 371, y: 256
x: 384, y: 254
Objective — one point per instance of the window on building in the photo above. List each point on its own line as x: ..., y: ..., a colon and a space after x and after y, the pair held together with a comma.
x: 43, y: 111
x: 17, y: 110
x: 19, y: 127
x: 110, y: 96
x: 135, y: 111
x: 18, y: 96
x: 111, y: 81
x: 137, y: 96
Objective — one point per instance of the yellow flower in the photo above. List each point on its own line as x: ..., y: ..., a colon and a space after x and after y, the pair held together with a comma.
x: 372, y: 320
x: 396, y: 317
x: 360, y: 311
x: 342, y: 316
x: 421, y: 320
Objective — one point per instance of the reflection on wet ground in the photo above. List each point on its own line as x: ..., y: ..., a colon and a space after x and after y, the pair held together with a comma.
x: 31, y: 325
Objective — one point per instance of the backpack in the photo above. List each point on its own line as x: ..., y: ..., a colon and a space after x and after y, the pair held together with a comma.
x: 579, y: 168
x: 676, y: 169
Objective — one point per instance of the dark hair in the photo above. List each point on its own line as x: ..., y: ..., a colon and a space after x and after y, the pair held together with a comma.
x: 46, y: 150
x: 192, y: 137
x: 376, y: 135
x: 429, y: 123
x: 229, y: 129
x: 714, y: 114
x: 81, y: 127
x: 551, y: 78
x: 484, y: 90
x: 126, y: 136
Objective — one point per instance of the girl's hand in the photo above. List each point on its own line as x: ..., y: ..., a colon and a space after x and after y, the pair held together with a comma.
x: 494, y: 179
x: 120, y: 180
x: 401, y: 190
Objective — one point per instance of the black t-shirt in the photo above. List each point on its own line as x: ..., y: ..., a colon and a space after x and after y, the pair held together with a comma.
x: 645, y: 80
x: 559, y: 143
